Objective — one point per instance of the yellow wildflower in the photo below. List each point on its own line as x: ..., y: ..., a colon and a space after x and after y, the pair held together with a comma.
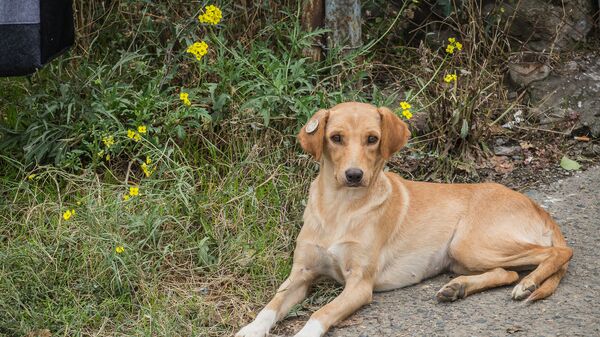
x: 212, y: 15
x: 68, y: 214
x: 450, y: 77
x: 407, y: 114
x: 133, y: 135
x: 148, y: 160
x: 142, y: 129
x: 134, y: 191
x: 119, y: 249
x: 146, y: 170
x: 453, y: 44
x: 108, y: 141
x: 107, y: 157
x: 125, y: 197
x: 31, y: 176
x: 184, y: 96
x: 198, y: 49
x: 405, y: 105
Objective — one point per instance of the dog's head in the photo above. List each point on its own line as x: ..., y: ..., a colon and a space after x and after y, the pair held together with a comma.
x: 355, y: 139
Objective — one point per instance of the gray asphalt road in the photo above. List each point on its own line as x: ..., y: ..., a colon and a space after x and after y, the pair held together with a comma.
x: 574, y: 310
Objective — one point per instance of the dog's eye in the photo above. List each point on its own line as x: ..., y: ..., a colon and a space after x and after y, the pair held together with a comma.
x: 372, y: 140
x: 336, y: 139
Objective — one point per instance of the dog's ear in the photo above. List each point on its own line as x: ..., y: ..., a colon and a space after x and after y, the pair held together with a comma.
x: 394, y: 133
x: 312, y: 134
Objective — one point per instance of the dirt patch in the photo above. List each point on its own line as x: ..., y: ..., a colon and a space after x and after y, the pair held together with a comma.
x: 519, y: 160
x: 571, y: 92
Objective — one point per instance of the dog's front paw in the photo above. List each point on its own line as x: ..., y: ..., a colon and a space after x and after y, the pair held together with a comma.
x: 260, y: 326
x: 253, y: 330
x: 313, y: 328
x: 525, y: 288
x: 451, y: 292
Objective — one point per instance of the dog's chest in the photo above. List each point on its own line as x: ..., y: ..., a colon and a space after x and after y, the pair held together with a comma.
x: 341, y: 248
x: 339, y: 259
x: 347, y: 246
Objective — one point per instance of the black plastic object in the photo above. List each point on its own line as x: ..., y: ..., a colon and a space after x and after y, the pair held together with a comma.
x: 33, y: 32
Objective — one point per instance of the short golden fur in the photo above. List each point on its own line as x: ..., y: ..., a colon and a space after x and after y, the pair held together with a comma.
x: 382, y: 232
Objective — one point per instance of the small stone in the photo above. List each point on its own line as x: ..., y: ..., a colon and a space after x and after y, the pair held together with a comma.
x: 524, y: 73
x: 501, y: 141
x: 506, y: 150
x: 571, y: 66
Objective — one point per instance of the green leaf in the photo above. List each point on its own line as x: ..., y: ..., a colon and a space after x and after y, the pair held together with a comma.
x: 569, y: 164
x: 180, y: 131
x: 464, y: 130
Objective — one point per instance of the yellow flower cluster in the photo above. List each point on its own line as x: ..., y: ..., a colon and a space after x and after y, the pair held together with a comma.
x: 137, y: 135
x: 450, y: 77
x: 68, y: 214
x: 212, y: 15
x: 185, y: 97
x: 146, y: 168
x: 406, y: 110
x: 119, y: 249
x: 453, y: 44
x: 198, y: 49
x: 108, y: 141
x: 133, y: 192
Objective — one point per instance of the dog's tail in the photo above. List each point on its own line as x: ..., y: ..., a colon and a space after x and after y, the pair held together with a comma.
x: 548, y: 287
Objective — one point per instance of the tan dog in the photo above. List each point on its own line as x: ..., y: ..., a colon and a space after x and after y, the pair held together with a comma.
x: 373, y: 230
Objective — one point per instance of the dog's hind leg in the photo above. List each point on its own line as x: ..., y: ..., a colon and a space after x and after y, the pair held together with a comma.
x: 551, y: 266
x: 548, y: 263
x: 464, y: 286
x: 521, y: 240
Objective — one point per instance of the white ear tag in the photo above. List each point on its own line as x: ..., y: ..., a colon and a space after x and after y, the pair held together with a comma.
x: 312, y: 126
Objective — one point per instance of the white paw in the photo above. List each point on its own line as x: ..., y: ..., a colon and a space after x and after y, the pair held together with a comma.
x: 313, y: 328
x: 260, y: 326
x: 253, y: 330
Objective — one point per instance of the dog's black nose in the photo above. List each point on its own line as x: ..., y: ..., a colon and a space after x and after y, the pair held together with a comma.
x: 354, y: 175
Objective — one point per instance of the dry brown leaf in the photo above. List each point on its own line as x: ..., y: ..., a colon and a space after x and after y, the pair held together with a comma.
x: 526, y: 145
x: 40, y: 333
x: 502, y: 164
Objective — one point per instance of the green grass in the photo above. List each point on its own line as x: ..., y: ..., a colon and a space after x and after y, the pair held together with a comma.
x: 207, y: 238
x: 210, y: 235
